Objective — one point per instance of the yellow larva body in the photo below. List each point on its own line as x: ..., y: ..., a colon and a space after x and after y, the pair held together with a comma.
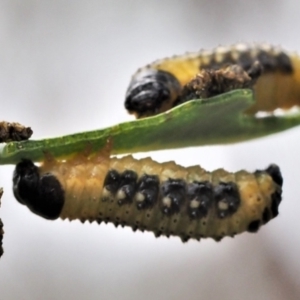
x: 86, y: 197
x: 277, y: 87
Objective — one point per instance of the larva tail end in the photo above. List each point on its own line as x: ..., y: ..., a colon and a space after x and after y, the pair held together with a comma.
x: 276, y: 197
x: 274, y: 171
x: 43, y: 195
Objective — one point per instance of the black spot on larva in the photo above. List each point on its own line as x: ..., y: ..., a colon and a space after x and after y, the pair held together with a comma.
x: 43, y: 195
x: 216, y: 64
x: 147, y: 191
x: 149, y: 90
x: 245, y: 60
x: 127, y: 188
x: 112, y: 181
x: 200, y: 196
x: 284, y: 63
x: 267, y: 60
x: 253, y: 226
x: 276, y: 199
x: 173, y: 195
x: 266, y: 216
x: 274, y: 171
x: 255, y: 71
x: 227, y: 199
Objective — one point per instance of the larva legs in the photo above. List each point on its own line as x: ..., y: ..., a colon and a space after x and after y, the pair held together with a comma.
x: 166, y: 198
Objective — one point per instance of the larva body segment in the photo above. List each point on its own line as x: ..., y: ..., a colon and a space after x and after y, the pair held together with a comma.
x: 166, y: 198
x: 160, y: 86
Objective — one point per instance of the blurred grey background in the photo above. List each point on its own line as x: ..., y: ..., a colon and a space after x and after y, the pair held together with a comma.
x: 64, y: 68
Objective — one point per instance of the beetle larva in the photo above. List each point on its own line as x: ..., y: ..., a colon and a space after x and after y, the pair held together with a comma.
x: 273, y: 74
x: 164, y: 198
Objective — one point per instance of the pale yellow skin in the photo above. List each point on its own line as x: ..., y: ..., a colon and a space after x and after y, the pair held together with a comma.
x: 82, y: 179
x: 272, y: 90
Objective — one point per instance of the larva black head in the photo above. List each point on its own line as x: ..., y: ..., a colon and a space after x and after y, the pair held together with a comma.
x: 43, y: 195
x: 149, y: 91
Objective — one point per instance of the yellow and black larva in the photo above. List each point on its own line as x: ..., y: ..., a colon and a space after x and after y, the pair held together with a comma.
x: 273, y: 74
x: 165, y: 198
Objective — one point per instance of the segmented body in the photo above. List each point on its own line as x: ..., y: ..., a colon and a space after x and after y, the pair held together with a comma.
x: 158, y: 86
x: 166, y: 198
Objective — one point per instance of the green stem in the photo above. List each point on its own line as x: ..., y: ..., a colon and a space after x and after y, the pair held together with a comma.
x: 218, y: 120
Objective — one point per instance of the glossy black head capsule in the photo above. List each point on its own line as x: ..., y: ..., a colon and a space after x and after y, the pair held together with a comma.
x: 43, y: 195
x: 149, y: 91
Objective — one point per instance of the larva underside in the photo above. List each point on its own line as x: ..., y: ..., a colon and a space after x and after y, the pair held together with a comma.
x: 160, y: 85
x: 166, y: 198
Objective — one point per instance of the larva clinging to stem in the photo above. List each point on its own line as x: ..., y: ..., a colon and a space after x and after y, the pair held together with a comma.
x: 164, y: 198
